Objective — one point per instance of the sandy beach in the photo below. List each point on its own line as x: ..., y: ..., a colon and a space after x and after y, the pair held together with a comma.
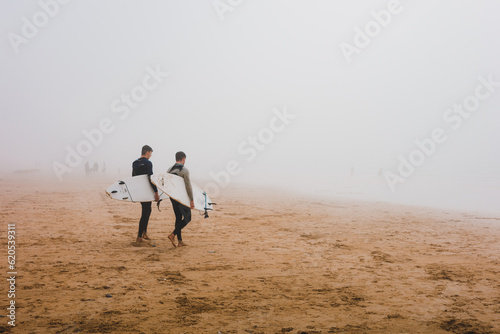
x: 278, y: 263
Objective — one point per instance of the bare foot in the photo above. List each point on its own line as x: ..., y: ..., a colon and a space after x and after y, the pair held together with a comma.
x: 145, y: 236
x: 181, y: 244
x: 140, y: 242
x: 171, y: 237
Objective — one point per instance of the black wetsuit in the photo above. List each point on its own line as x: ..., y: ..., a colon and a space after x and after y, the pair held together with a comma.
x: 182, y: 212
x: 143, y: 166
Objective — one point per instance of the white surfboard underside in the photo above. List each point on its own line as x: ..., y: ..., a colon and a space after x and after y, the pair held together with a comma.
x: 174, y: 186
x: 134, y: 189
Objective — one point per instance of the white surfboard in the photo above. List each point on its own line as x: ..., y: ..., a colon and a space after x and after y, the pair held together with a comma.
x: 173, y: 186
x: 134, y: 189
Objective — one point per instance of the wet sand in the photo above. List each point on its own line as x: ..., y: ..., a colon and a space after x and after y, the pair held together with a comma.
x: 273, y: 264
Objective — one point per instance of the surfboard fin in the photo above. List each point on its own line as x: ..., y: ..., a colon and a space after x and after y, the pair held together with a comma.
x: 158, y: 204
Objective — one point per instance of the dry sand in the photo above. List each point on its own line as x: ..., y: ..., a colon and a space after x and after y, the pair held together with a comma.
x: 279, y: 264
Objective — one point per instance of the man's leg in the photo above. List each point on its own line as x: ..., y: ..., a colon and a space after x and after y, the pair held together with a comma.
x: 143, y: 223
x: 186, y: 213
x: 178, y: 220
x: 148, y: 214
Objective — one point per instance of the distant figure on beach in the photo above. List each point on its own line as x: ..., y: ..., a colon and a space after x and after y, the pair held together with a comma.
x: 95, y: 169
x: 103, y: 170
x: 143, y: 166
x: 87, y: 168
x: 182, y: 212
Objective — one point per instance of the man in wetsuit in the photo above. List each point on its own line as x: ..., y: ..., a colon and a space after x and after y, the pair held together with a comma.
x: 143, y: 166
x: 182, y: 212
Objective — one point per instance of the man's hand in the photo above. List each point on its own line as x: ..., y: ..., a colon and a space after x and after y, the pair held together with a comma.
x: 157, y: 198
x: 192, y: 204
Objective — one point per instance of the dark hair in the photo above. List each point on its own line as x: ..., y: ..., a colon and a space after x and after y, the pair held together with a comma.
x: 179, y: 156
x: 145, y: 149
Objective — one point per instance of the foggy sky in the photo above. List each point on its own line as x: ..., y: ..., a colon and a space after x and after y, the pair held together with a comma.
x: 228, y: 78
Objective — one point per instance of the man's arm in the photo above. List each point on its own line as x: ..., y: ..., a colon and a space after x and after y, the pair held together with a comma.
x: 155, y: 190
x: 189, y: 188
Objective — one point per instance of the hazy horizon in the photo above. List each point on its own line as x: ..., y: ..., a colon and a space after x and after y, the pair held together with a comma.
x: 396, y: 100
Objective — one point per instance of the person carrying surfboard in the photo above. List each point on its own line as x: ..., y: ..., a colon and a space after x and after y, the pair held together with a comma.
x: 143, y: 166
x: 182, y: 212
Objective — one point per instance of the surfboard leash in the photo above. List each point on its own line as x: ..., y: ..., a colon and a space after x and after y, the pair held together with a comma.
x: 159, y: 201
